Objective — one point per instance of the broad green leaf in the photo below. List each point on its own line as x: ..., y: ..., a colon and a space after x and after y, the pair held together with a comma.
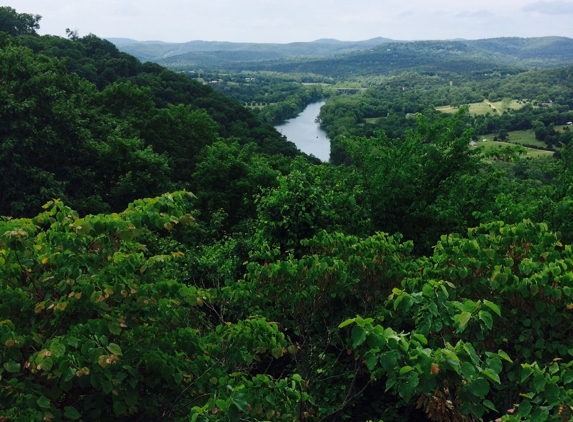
x: 567, y: 377
x: 526, y: 372
x: 358, y: 336
x: 47, y: 364
x: 428, y: 290
x: 479, y: 387
x: 70, y: 412
x: 371, y: 361
x: 119, y: 407
x: 57, y: 349
x: 12, y: 366
x: 552, y: 393
x: 487, y: 319
x: 495, y: 365
x: 539, y: 382
x: 524, y: 408
x: 539, y: 415
x: 492, y: 306
x: 106, y: 386
x: 405, y: 370
x: 489, y: 405
x: 270, y: 399
x: 44, y: 403
x: 464, y: 319
x: 467, y: 370
x: 389, y: 333
x: 345, y: 323
x: 114, y: 328
x: 473, y: 355
x: 491, y: 375
x: 408, y: 388
x: 451, y: 357
x: 238, y: 399
x: 504, y: 355
x: 470, y: 306
x: 221, y: 404
x: 114, y: 348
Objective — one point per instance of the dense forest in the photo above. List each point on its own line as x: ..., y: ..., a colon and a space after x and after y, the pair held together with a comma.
x: 424, y: 279
x: 371, y: 57
x: 273, y: 97
x: 533, y: 100
x: 485, y: 56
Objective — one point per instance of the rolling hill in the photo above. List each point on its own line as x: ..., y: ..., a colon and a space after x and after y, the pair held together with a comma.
x: 377, y: 56
x: 229, y: 51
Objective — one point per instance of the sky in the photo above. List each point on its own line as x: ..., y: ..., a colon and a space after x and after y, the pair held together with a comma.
x: 284, y: 21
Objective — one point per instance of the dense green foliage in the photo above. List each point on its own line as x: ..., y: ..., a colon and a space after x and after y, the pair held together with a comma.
x: 14, y: 23
x: 98, y: 129
x: 422, y: 281
x: 273, y: 97
x: 389, y: 104
x: 101, y: 63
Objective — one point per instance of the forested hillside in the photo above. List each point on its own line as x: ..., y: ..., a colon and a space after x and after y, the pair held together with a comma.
x: 123, y: 129
x: 424, y: 280
x: 215, y: 52
x: 485, y: 56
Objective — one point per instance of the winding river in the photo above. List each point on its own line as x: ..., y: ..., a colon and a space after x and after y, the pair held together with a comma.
x: 306, y: 133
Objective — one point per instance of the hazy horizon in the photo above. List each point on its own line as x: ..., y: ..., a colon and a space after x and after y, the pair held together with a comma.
x: 272, y: 21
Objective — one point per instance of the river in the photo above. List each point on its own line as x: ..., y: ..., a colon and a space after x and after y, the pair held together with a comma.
x: 306, y: 133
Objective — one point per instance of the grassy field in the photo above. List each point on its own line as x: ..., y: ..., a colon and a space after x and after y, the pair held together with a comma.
x: 490, y: 144
x: 504, y: 106
x: 525, y: 137
x: 478, y: 109
x: 371, y: 119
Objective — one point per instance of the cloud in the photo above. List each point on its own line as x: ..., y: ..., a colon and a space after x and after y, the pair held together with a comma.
x: 473, y: 15
x: 550, y: 7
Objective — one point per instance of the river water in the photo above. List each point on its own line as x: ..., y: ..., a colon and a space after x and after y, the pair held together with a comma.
x: 306, y: 133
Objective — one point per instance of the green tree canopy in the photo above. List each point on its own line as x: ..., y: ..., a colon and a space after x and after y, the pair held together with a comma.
x: 15, y: 23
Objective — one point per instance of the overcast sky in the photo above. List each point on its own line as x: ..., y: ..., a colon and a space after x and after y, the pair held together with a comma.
x: 284, y: 21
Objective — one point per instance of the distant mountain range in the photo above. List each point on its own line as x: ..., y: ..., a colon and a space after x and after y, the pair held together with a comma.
x: 158, y: 50
x: 481, y: 56
x: 336, y: 58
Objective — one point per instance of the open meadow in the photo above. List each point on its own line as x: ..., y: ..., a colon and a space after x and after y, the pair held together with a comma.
x: 485, y: 107
x: 490, y: 144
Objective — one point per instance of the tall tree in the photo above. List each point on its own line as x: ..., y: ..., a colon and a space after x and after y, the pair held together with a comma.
x: 15, y: 23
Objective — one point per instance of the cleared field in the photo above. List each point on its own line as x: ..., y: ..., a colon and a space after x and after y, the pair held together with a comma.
x: 371, y: 119
x: 479, y: 109
x: 490, y: 144
x: 525, y: 137
x: 503, y: 106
